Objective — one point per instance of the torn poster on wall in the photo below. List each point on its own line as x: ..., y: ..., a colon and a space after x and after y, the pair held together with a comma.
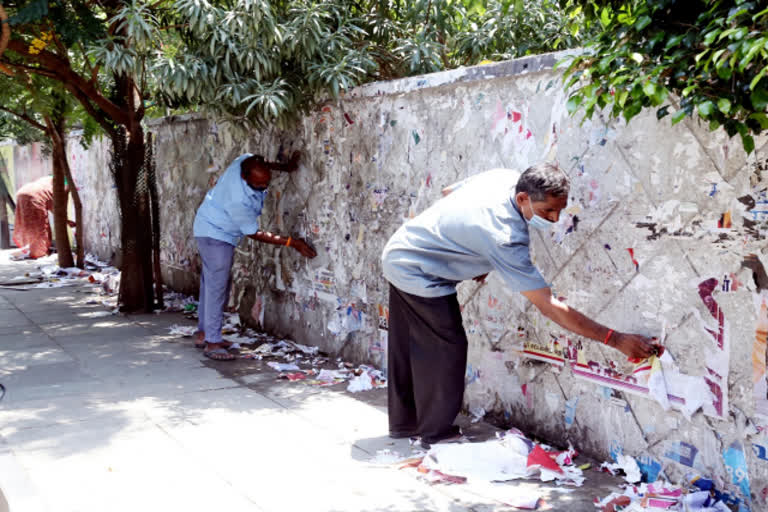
x: 684, y: 392
x: 324, y: 285
x: 759, y: 377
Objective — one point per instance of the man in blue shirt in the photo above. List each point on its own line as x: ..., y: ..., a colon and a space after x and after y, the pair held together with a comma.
x: 481, y: 225
x: 231, y: 210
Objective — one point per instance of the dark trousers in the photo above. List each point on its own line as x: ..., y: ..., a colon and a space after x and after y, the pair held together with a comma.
x: 427, y: 359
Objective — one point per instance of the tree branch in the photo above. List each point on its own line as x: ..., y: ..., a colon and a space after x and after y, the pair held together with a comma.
x: 33, y: 69
x: 71, y: 79
x: 26, y: 118
x: 5, y: 30
x: 92, y: 111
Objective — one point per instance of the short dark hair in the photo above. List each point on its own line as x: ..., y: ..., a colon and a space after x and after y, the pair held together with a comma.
x: 542, y: 180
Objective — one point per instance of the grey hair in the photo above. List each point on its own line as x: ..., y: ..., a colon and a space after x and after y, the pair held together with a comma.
x: 543, y: 180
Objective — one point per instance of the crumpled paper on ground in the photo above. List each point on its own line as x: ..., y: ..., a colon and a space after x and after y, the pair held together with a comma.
x: 660, y: 496
x: 368, y: 379
x: 628, y: 465
x: 183, y: 330
x: 498, y: 460
x: 283, y: 367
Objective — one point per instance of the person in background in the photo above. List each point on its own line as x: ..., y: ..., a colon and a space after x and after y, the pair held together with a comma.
x: 481, y: 225
x: 230, y: 211
x: 32, y: 230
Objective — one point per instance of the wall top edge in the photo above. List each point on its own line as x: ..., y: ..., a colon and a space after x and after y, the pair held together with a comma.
x: 504, y: 69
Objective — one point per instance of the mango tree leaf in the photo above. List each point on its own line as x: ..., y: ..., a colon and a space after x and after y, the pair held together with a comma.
x: 759, y: 99
x: 706, y: 108
x: 760, y: 118
x: 724, y: 104
x: 748, y: 142
x: 678, y: 116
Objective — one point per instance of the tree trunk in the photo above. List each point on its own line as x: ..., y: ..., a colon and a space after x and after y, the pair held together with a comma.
x: 5, y: 234
x: 58, y: 141
x: 135, y: 221
x: 129, y: 171
x: 60, y: 197
x: 154, y: 204
x: 78, y: 205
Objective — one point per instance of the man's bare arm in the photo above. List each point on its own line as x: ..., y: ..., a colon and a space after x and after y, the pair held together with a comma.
x: 297, y: 243
x: 633, y: 345
x: 290, y: 166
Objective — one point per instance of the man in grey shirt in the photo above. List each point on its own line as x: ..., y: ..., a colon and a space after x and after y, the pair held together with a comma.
x: 481, y: 225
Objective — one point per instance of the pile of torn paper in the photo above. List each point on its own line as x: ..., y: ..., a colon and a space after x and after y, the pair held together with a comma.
x: 659, y: 496
x: 292, y: 360
x: 362, y: 378
x: 510, y: 456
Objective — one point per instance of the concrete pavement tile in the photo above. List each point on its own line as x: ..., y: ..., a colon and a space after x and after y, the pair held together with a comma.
x: 40, y: 299
x: 104, y: 327
x: 216, y: 409
x: 19, y: 330
x: 13, y: 318
x: 6, y: 304
x: 117, y: 389
x: 68, y: 314
x: 161, y: 324
x: 51, y: 411
x: 18, y: 395
x: 17, y: 487
x: 90, y: 347
x: 27, y: 340
x: 282, y: 452
x: 44, y: 374
x: 11, y: 360
x: 127, y: 467
x: 348, y: 418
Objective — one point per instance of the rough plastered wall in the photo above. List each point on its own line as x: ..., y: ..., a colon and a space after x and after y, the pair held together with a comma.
x: 29, y: 163
x: 653, y: 241
x: 98, y: 193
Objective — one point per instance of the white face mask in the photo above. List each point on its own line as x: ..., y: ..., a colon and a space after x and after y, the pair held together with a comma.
x: 539, y: 223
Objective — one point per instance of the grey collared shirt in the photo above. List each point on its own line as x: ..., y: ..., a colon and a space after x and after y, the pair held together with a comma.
x: 474, y: 230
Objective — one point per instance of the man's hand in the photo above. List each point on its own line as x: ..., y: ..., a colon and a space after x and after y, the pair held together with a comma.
x: 303, y: 248
x: 293, y: 163
x: 634, y: 346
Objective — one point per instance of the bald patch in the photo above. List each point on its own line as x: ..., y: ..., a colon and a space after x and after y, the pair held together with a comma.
x: 254, y: 162
x: 259, y: 173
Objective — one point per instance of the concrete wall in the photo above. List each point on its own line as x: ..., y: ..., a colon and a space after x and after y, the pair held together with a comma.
x: 29, y: 163
x: 658, y: 224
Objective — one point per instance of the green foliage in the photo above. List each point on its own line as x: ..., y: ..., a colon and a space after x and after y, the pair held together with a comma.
x: 74, y: 20
x: 265, y: 61
x: 14, y: 129
x: 680, y: 57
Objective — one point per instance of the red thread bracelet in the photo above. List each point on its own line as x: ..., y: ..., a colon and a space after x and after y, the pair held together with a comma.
x: 608, y: 336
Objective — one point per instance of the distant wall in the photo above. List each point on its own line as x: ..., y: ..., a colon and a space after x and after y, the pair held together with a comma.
x: 658, y: 224
x: 29, y: 163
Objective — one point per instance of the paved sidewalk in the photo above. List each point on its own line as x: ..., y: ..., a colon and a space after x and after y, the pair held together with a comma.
x: 110, y: 414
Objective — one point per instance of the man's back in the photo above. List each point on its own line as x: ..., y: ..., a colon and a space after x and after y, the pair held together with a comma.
x: 230, y: 209
x: 475, y: 229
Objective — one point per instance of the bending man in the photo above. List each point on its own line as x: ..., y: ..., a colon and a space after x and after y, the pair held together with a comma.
x: 231, y: 210
x: 31, y: 229
x: 482, y: 225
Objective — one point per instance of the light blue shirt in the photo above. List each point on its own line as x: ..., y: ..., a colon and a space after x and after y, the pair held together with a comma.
x: 477, y: 228
x: 231, y: 208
